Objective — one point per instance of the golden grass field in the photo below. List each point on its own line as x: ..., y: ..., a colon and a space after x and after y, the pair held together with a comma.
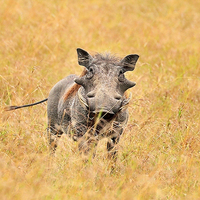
x: 159, y: 152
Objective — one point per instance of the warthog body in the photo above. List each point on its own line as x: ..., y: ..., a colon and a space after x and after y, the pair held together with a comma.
x: 92, y: 106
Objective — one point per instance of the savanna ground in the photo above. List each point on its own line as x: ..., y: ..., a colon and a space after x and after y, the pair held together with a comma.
x: 159, y: 153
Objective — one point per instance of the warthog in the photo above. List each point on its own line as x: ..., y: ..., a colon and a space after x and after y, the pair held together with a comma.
x: 93, y: 105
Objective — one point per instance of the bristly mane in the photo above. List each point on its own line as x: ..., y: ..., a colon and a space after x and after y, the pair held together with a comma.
x: 107, y: 58
x: 74, y: 88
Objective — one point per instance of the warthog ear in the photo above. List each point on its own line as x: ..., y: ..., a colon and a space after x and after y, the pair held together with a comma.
x: 84, y: 58
x: 129, y: 62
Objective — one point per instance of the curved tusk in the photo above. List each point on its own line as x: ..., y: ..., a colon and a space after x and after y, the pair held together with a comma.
x: 126, y: 101
x: 82, y: 99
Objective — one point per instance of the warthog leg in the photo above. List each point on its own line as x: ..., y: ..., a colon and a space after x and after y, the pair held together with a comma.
x: 53, y: 137
x: 111, y: 147
x: 87, y: 144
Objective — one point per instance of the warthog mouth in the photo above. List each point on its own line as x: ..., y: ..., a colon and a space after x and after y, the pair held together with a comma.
x: 102, y: 115
x: 107, y: 116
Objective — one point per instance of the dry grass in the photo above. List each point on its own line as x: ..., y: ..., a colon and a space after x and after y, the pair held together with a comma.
x: 159, y: 153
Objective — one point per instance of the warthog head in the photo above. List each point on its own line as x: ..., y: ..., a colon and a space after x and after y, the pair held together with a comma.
x: 104, y: 83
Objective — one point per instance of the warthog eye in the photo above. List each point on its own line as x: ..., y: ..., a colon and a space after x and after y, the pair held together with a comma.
x: 121, y: 76
x: 90, y: 73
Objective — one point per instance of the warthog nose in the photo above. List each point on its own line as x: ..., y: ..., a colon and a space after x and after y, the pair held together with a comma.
x: 118, y: 97
x: 91, y: 95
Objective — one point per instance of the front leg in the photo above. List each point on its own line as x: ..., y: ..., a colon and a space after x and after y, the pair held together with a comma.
x: 81, y: 131
x: 111, y: 147
x: 88, y: 143
x: 80, y: 125
x: 115, y: 133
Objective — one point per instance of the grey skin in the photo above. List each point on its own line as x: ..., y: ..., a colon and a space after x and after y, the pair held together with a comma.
x: 98, y: 108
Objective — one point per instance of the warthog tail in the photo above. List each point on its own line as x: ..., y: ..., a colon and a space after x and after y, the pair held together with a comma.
x: 27, y: 105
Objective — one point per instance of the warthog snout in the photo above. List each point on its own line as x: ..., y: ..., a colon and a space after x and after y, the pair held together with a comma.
x: 102, y: 102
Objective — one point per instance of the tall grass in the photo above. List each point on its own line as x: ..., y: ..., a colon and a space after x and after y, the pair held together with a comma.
x: 159, y: 153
